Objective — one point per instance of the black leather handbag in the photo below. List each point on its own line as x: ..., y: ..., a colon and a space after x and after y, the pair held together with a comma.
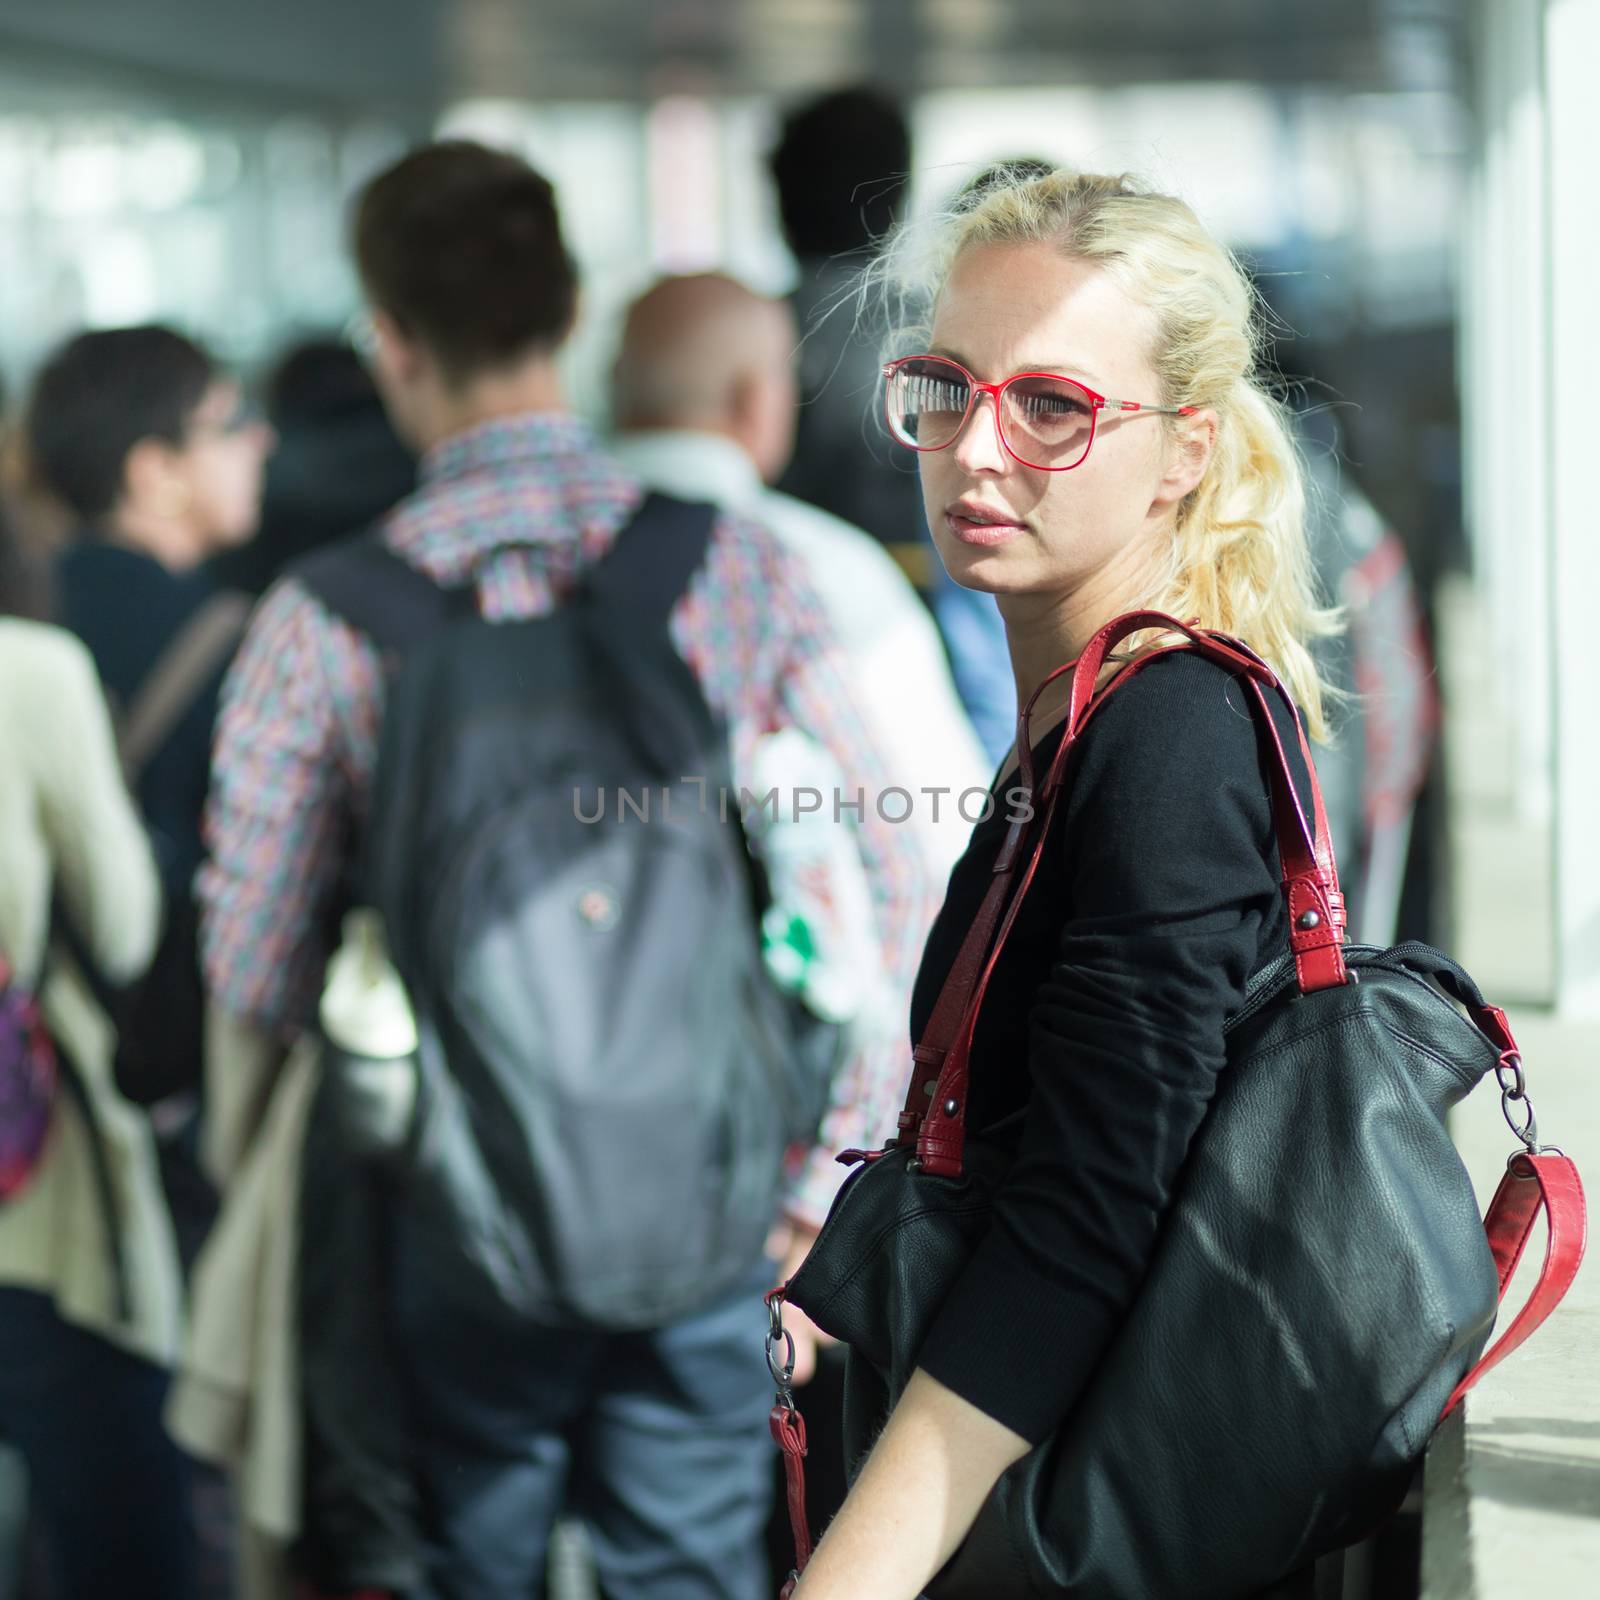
x: 1322, y: 1284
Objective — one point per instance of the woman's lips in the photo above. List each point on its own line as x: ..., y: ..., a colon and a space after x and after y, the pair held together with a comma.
x: 984, y: 534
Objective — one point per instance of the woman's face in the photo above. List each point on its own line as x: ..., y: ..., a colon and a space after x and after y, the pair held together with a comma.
x: 1012, y: 529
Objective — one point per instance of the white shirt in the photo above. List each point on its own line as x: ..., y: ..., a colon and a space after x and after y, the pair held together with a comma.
x: 891, y: 647
x: 66, y: 820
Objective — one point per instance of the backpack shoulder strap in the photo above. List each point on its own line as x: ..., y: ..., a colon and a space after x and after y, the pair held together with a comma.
x: 378, y: 592
x: 180, y: 676
x: 650, y: 565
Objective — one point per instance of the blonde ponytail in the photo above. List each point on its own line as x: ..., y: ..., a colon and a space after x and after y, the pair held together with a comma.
x: 1240, y: 561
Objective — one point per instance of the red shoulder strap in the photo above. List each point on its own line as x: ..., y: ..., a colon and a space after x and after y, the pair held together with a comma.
x: 1545, y: 1182
x: 1310, y: 875
x: 935, y: 1110
x: 934, y: 1115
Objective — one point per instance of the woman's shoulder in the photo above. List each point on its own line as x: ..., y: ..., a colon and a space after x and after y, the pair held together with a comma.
x: 50, y: 683
x: 1169, y: 803
x: 46, y: 654
x: 1180, y: 738
x: 1178, y: 706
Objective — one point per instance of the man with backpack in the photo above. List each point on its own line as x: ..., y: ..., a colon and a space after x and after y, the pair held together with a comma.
x: 515, y: 721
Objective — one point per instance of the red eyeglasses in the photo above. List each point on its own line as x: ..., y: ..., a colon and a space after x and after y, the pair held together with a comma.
x: 1042, y: 420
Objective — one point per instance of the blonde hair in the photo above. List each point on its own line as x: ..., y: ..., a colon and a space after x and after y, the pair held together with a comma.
x: 1239, y: 559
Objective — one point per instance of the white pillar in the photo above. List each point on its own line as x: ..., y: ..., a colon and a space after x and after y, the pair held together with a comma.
x: 1504, y: 380
x: 1571, y: 61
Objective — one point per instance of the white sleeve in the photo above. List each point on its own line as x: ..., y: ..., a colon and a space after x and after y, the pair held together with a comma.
x: 98, y: 843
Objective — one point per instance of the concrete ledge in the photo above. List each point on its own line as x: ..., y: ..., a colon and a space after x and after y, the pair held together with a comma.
x: 1511, y: 1491
x: 1446, y: 1515
x: 1511, y: 1499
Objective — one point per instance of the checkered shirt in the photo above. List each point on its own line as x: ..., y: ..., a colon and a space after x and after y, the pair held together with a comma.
x: 521, y: 506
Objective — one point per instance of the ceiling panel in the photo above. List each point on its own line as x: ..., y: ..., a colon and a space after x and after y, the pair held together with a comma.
x: 419, y: 53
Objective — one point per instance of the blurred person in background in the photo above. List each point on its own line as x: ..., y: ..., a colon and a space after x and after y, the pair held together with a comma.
x: 656, y: 1438
x: 1374, y: 772
x: 1377, y: 771
x: 21, y: 581
x: 24, y: 567
x: 41, y: 521
x: 89, y: 1279
x: 703, y: 400
x: 148, y: 444
x: 337, y: 467
x: 841, y: 168
x: 704, y: 404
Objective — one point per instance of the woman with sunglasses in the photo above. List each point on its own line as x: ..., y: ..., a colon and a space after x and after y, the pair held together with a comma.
x: 1092, y: 440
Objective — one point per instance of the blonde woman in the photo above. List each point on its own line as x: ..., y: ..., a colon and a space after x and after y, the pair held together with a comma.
x: 1092, y: 441
x: 89, y: 1291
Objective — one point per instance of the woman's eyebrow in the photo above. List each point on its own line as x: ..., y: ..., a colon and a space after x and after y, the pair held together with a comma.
x: 1065, y: 369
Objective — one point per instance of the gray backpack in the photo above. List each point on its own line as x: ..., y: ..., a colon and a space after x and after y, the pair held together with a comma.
x: 608, y: 1080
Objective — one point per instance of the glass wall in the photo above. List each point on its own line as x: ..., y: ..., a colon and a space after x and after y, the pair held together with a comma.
x: 118, y: 209
x: 231, y: 222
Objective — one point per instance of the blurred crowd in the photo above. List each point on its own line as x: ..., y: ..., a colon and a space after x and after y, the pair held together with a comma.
x: 266, y: 1323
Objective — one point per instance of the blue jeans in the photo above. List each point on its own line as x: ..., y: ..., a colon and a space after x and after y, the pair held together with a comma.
x: 109, y: 1489
x: 658, y: 1441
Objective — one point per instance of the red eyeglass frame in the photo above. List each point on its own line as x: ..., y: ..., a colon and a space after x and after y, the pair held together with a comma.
x: 975, y: 387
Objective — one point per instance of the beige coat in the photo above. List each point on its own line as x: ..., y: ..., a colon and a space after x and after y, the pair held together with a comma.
x: 66, y: 820
x: 235, y: 1401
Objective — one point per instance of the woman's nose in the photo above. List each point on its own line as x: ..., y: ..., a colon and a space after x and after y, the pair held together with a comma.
x: 978, y: 448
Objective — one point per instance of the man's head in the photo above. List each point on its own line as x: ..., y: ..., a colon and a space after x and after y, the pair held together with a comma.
x: 471, y: 289
x: 841, y: 168
x: 141, y: 436
x: 705, y: 353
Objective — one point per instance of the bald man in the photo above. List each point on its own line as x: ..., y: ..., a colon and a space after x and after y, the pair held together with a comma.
x: 704, y: 401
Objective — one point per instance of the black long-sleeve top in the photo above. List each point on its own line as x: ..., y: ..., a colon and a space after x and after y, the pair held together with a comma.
x: 1157, y: 897
x: 127, y: 608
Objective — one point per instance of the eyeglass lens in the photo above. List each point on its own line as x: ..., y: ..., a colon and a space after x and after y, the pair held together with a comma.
x: 1045, y: 422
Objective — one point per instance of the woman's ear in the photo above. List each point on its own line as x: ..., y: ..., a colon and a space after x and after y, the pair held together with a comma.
x: 1188, y: 456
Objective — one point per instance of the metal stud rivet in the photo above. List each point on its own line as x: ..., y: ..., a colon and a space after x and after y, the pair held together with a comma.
x: 951, y: 1107
x: 1309, y: 920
